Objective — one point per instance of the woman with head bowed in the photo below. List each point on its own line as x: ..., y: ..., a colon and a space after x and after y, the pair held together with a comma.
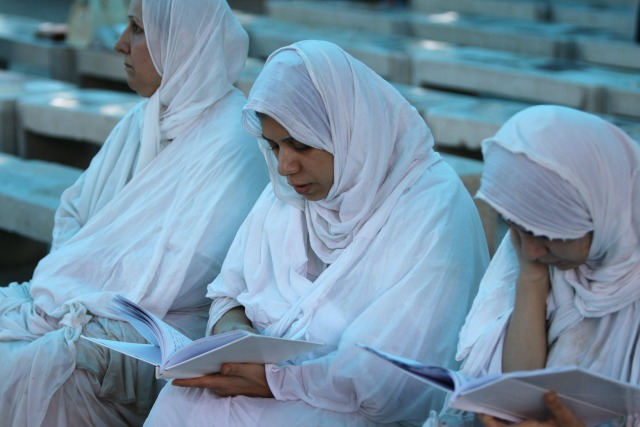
x: 365, y: 236
x: 564, y: 287
x: 151, y: 218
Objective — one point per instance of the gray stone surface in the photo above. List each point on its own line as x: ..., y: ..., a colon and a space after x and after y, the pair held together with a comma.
x: 519, y: 36
x: 372, y: 18
x: 30, y: 193
x: 517, y: 9
x: 12, y: 86
x: 617, y: 17
x: 387, y: 55
x: 81, y: 114
x: 466, y: 125
x: 608, y: 51
x: 101, y: 64
x: 22, y: 50
x: 524, y: 78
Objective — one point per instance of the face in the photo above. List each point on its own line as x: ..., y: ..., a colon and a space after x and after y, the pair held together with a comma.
x: 561, y: 254
x: 308, y: 170
x: 142, y: 76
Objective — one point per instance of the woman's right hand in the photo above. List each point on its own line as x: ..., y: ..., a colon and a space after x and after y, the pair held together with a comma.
x: 525, y: 345
x: 531, y: 271
x: 561, y: 416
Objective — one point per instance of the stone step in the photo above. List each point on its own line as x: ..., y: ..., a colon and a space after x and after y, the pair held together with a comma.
x: 22, y: 50
x: 456, y: 120
x: 69, y: 126
x: 553, y: 39
x: 618, y: 19
x: 101, y: 68
x: 12, y: 86
x: 30, y: 194
x: 386, y: 55
x: 342, y: 14
x: 526, y: 78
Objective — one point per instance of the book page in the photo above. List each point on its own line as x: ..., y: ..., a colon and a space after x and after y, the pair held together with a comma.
x: 152, y: 328
x: 146, y: 352
x: 519, y: 395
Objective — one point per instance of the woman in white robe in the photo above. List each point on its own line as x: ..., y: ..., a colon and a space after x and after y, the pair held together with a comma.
x: 151, y: 218
x: 380, y: 245
x: 568, y: 182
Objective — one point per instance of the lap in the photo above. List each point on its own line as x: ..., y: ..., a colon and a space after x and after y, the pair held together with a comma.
x: 201, y: 407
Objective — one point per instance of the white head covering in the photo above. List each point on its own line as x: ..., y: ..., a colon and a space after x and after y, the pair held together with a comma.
x: 128, y: 213
x: 190, y: 84
x: 561, y: 173
x: 328, y: 100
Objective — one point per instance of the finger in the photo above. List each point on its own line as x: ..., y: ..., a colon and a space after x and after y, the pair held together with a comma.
x: 564, y: 416
x: 206, y: 381
x: 490, y: 421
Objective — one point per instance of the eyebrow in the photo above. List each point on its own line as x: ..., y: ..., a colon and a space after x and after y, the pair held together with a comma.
x: 290, y: 139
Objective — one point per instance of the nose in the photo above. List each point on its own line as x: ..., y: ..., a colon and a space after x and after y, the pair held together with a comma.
x: 532, y: 247
x: 122, y: 44
x: 288, y: 163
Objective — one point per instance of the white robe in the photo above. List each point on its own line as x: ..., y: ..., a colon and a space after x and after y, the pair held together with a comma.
x: 593, y: 311
x: 402, y: 282
x: 151, y: 218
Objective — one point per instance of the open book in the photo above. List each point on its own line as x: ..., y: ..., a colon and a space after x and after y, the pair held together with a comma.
x: 517, y: 396
x: 177, y: 356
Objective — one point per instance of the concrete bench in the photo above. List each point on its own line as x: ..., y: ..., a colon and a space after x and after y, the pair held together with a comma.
x: 102, y: 69
x: 22, y: 50
x: 30, y: 194
x: 618, y: 18
x: 526, y: 78
x: 386, y: 55
x: 12, y: 86
x: 457, y: 121
x: 342, y: 14
x: 69, y: 127
x: 532, y: 37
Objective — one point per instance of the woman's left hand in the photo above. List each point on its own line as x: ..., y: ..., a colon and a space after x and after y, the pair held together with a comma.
x: 234, y: 379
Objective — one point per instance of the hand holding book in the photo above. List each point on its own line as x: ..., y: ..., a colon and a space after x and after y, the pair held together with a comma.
x: 177, y: 356
x: 519, y: 396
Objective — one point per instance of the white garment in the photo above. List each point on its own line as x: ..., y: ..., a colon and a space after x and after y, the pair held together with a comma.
x: 594, y: 310
x: 403, y: 269
x: 153, y: 225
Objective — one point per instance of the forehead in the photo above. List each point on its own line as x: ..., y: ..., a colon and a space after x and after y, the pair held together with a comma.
x: 135, y: 9
x: 271, y: 129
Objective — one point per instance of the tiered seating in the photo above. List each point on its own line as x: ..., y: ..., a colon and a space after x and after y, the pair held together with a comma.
x: 466, y: 65
x: 69, y: 127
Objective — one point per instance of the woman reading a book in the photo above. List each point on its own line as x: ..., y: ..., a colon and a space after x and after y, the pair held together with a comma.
x: 564, y: 286
x: 365, y: 235
x: 151, y: 218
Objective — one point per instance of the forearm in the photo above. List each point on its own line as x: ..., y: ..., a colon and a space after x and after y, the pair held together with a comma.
x: 233, y: 319
x: 525, y: 345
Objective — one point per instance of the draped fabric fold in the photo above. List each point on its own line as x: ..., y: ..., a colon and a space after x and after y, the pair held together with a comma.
x: 396, y: 239
x: 587, y: 178
x: 151, y: 218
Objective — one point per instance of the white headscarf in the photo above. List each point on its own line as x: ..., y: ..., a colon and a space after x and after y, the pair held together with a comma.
x: 123, y: 226
x: 192, y: 80
x: 324, y: 100
x: 561, y: 173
